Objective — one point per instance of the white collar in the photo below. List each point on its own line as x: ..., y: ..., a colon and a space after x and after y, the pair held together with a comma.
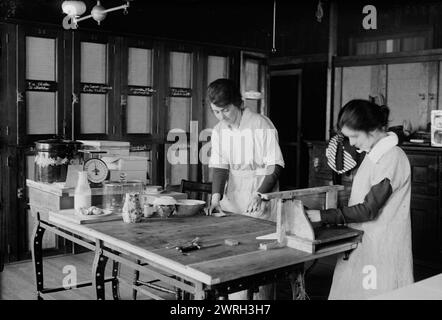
x: 383, y: 146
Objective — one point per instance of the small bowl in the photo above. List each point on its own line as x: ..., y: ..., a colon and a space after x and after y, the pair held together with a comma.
x: 165, y: 211
x: 189, y: 207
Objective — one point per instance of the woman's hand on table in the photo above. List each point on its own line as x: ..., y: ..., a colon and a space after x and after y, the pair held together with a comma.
x: 314, y: 215
x: 255, y: 204
x: 214, y: 204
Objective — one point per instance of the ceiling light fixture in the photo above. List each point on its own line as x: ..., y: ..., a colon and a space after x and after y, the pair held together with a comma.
x: 74, y: 9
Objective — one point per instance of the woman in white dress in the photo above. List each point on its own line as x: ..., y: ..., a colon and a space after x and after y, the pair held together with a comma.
x: 379, y: 205
x: 246, y: 157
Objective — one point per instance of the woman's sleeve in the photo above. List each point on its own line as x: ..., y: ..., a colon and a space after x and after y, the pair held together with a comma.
x: 219, y: 179
x: 362, y: 212
x: 270, y: 179
x: 384, y: 181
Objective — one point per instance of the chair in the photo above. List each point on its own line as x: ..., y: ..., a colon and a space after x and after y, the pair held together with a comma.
x: 194, y: 190
x: 197, y: 190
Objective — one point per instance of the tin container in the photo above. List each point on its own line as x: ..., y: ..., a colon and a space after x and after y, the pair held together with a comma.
x: 53, y: 157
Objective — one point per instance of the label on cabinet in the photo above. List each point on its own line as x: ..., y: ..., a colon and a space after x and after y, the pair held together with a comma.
x: 41, y: 85
x: 96, y: 88
x: 140, y: 91
x: 180, y: 92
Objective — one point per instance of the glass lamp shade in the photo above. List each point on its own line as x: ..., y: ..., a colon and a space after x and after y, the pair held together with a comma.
x: 73, y: 8
x: 98, y: 12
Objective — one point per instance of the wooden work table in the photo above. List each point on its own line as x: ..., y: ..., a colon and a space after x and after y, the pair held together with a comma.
x: 213, y: 271
x: 209, y: 272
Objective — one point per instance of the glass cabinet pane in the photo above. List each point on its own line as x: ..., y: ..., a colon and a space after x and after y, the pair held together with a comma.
x: 41, y: 90
x: 139, y: 107
x: 41, y: 112
x: 180, y: 78
x: 217, y: 67
x: 94, y: 66
x: 93, y: 113
x: 93, y: 62
x: 252, y: 82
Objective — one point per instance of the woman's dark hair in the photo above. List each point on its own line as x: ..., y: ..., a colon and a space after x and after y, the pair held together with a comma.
x: 223, y: 92
x: 363, y: 115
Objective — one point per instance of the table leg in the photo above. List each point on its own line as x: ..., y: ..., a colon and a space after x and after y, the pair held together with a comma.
x: 136, y: 277
x: 200, y: 293
x: 297, y: 283
x: 115, y: 281
x: 98, y: 269
x: 37, y: 256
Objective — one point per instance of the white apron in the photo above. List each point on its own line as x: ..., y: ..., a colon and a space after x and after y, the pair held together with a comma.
x: 383, y: 261
x: 241, y: 187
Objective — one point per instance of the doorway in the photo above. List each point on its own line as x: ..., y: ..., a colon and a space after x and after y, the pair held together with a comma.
x: 285, y: 113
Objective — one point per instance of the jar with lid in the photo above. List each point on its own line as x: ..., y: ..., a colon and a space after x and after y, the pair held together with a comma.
x: 53, y: 157
x: 113, y: 196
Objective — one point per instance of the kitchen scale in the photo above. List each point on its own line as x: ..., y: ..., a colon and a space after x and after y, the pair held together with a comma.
x: 97, y: 170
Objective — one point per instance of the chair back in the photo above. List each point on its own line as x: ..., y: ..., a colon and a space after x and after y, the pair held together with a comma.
x: 197, y: 190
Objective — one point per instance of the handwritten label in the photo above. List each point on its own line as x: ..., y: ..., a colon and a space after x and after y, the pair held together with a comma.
x: 180, y: 92
x: 140, y: 91
x: 41, y: 85
x: 96, y: 88
x: 139, y: 148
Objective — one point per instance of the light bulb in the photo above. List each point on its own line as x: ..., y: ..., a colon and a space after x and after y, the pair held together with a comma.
x: 73, y: 8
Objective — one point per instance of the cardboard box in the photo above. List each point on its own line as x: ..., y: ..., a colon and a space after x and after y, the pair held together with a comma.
x: 116, y: 175
x: 131, y: 163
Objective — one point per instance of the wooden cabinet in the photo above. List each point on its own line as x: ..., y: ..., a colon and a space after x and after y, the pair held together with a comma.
x: 426, y: 191
x: 410, y: 88
x: 412, y: 92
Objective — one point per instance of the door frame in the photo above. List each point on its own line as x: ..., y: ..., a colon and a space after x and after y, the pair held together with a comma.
x: 297, y: 144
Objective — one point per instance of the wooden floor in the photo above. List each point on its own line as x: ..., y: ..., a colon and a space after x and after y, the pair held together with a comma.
x: 17, y: 279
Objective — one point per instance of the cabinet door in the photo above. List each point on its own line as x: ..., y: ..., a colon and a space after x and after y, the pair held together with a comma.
x: 40, y: 60
x: 139, y: 88
x: 425, y: 228
x: 424, y: 178
x: 94, y: 87
x: 253, y: 75
x: 412, y: 89
x: 180, y: 61
x: 216, y: 65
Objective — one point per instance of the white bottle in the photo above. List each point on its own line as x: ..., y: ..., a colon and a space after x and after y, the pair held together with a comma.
x: 83, y: 194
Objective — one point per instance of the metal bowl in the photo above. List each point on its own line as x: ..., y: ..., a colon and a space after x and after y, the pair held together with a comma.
x: 189, y: 207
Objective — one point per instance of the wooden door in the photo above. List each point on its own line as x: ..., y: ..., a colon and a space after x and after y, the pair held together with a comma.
x: 285, y: 113
x: 411, y: 93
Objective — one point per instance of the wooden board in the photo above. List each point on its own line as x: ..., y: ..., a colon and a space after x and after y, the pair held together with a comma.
x: 69, y: 215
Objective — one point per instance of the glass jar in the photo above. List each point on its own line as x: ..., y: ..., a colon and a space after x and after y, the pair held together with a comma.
x: 113, y: 196
x: 133, y: 186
